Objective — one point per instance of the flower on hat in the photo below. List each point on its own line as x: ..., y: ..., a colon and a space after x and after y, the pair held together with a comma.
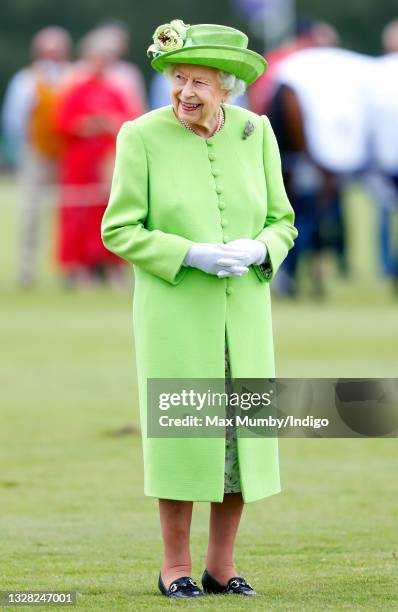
x: 168, y: 37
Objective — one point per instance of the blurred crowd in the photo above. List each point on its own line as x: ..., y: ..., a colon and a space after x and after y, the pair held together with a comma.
x: 60, y: 121
x: 334, y: 113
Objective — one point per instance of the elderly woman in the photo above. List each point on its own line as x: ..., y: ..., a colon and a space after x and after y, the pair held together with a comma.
x: 199, y: 207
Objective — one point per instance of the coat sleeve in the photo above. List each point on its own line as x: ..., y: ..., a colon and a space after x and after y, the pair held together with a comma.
x: 279, y: 232
x: 123, y: 228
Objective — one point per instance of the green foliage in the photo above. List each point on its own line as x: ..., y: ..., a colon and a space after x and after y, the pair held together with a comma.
x: 359, y: 22
x: 21, y: 19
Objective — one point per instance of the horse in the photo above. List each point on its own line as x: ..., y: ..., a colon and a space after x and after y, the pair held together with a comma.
x: 327, y: 113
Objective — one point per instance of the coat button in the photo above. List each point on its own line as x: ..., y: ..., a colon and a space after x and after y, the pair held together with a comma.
x: 221, y: 205
x: 224, y: 223
x: 212, y: 157
x: 226, y: 238
x: 215, y: 172
x: 228, y: 290
x: 210, y: 142
x: 219, y: 189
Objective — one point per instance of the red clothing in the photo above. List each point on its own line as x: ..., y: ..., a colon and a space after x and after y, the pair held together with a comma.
x: 86, y: 168
x: 261, y: 92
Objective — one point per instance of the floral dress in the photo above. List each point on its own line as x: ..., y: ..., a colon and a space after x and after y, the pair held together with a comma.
x: 231, y: 474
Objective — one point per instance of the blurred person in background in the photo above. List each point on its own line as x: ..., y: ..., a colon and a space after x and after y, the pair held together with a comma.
x: 32, y: 141
x: 125, y: 76
x: 382, y: 179
x: 90, y: 111
x: 319, y: 114
x: 309, y: 33
x: 389, y: 37
x: 302, y: 178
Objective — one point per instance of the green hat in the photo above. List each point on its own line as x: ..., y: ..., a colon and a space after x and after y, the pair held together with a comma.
x: 205, y: 44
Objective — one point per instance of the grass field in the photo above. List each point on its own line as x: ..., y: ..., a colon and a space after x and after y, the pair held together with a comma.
x: 73, y: 514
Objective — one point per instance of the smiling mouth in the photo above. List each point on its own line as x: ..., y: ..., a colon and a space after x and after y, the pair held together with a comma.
x: 189, y: 107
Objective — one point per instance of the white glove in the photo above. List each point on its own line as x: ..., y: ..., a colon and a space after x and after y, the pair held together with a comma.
x: 216, y: 259
x: 254, y: 251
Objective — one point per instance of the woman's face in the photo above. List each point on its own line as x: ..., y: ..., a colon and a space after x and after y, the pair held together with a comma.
x: 196, y: 93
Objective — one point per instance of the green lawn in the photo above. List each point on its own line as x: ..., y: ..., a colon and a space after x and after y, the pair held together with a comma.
x: 73, y: 514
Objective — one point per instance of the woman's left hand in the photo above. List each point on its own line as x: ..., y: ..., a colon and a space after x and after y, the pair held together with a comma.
x: 254, y: 251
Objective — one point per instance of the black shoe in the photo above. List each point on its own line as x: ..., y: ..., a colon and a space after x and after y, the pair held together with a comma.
x: 237, y: 585
x: 182, y: 588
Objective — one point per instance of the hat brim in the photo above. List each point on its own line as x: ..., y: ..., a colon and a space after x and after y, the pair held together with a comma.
x: 243, y: 63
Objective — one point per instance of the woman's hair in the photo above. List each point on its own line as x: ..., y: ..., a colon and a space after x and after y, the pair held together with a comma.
x: 235, y: 87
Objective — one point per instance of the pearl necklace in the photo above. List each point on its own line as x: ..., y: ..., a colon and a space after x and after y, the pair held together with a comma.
x: 221, y: 121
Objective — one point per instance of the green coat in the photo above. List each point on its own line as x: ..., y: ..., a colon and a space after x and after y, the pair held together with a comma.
x: 171, y: 188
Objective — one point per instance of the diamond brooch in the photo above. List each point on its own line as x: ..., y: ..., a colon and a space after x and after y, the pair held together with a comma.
x: 249, y: 128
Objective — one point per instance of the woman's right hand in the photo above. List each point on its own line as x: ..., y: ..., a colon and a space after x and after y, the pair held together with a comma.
x: 216, y: 259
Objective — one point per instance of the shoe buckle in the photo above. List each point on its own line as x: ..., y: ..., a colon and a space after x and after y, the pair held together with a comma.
x: 192, y: 582
x: 235, y: 584
x: 173, y: 588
